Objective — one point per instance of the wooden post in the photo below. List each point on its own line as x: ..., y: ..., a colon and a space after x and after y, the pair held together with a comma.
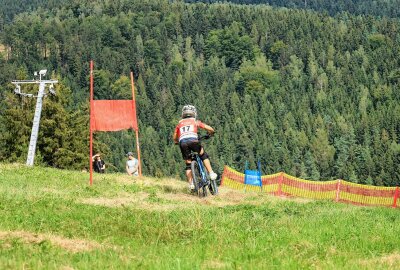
x: 280, y: 184
x: 137, y: 125
x: 396, y: 195
x: 223, y: 176
x: 338, y: 191
x: 90, y: 124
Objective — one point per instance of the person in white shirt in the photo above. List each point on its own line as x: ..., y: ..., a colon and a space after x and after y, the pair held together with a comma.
x: 132, y: 165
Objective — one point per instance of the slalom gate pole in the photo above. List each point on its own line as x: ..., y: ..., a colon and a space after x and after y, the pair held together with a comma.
x: 90, y: 124
x: 138, y: 151
x: 137, y: 125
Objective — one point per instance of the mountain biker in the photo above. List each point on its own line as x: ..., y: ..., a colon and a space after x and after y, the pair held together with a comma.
x: 186, y: 135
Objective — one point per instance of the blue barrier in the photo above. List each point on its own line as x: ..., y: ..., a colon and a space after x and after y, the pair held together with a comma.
x: 253, y: 177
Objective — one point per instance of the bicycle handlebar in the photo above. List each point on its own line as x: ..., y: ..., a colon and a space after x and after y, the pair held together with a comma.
x: 205, y: 137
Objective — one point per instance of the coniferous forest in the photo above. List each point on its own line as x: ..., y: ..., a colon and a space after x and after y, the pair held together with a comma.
x: 357, y: 7
x: 314, y: 94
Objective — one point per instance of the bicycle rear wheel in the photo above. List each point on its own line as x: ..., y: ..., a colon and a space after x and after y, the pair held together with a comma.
x: 196, y: 176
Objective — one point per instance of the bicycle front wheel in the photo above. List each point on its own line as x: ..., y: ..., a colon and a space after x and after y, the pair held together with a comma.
x: 200, y: 188
x: 213, y: 187
x: 196, y: 176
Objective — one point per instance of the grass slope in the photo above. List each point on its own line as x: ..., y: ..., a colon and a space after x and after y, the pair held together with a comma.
x: 52, y: 219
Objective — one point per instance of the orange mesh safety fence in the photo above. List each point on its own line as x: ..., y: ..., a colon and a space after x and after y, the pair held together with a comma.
x: 232, y: 179
x: 270, y: 183
x: 282, y: 184
x: 366, y: 195
x: 293, y: 186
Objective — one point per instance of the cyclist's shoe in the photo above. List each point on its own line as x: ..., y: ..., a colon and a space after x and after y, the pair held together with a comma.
x: 191, y: 186
x: 213, y: 176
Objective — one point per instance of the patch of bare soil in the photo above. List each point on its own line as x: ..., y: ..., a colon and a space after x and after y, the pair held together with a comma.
x: 161, y: 207
x: 176, y: 199
x: 53, y: 191
x: 391, y: 260
x: 214, y: 264
x: 8, y: 166
x: 66, y: 268
x: 224, y: 198
x: 137, y: 200
x: 126, y: 179
x: 302, y: 200
x: 295, y: 199
x: 260, y: 197
x: 127, y: 200
x: 228, y: 197
x: 173, y: 195
x: 72, y: 245
x: 170, y: 183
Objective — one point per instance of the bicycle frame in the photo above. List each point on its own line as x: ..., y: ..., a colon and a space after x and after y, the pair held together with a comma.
x: 202, y: 171
x: 200, y: 177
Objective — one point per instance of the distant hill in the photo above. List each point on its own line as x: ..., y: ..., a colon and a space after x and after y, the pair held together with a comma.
x: 10, y: 8
x: 379, y: 8
x: 303, y: 92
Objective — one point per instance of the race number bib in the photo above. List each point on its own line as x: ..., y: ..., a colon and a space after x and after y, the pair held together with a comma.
x: 187, y: 129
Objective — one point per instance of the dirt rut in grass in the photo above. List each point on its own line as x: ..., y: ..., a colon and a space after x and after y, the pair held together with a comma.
x: 71, y: 245
x: 170, y: 195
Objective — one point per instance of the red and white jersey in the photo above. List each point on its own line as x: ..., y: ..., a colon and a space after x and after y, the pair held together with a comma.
x: 187, y: 128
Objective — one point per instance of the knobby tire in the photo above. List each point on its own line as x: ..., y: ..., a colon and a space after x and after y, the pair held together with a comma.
x: 201, y: 192
x: 196, y: 176
x: 213, y: 187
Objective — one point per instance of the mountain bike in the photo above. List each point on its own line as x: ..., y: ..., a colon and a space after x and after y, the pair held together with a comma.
x: 201, y: 179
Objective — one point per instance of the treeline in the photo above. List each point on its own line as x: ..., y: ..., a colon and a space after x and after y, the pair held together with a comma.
x: 332, y: 7
x: 308, y: 94
x: 10, y: 8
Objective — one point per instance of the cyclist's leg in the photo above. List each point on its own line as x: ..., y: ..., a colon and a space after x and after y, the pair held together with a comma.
x: 206, y: 160
x: 188, y: 171
x: 185, y: 150
x: 207, y: 164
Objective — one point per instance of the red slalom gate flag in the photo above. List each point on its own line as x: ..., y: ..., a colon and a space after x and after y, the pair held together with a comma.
x: 113, y: 115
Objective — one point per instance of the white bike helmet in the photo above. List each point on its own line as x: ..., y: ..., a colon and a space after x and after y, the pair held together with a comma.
x: 189, y: 111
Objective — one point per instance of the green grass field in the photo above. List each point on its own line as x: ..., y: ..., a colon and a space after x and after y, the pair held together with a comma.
x: 52, y: 219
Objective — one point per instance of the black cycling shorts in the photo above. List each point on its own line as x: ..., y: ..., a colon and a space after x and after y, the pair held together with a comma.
x: 188, y: 146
